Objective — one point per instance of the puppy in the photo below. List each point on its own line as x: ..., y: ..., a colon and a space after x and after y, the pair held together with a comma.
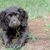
x: 13, y: 20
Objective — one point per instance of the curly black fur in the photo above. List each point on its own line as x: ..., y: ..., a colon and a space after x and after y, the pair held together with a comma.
x: 12, y: 20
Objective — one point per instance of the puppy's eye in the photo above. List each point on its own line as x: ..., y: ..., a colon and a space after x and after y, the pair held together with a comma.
x: 17, y: 16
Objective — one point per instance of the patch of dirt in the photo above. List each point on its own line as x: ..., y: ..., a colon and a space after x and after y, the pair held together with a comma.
x: 38, y: 45
x: 39, y: 28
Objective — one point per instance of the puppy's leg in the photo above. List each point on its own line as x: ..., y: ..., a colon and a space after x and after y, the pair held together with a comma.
x: 22, y: 39
x: 6, y: 40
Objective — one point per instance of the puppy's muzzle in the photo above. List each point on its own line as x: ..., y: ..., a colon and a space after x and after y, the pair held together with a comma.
x: 14, y: 22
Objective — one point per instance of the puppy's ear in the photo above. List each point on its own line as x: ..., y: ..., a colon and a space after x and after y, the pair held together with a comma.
x: 2, y: 20
x: 24, y: 16
x: 22, y: 12
x: 2, y: 14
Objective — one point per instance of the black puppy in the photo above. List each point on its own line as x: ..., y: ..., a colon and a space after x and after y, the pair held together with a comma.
x: 13, y: 20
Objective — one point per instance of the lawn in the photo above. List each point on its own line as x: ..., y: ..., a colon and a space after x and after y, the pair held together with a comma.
x: 34, y: 8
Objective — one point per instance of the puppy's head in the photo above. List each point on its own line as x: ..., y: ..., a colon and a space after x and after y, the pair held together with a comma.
x: 13, y: 17
x: 12, y: 20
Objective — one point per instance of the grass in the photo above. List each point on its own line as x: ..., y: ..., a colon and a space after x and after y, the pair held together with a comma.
x: 35, y: 8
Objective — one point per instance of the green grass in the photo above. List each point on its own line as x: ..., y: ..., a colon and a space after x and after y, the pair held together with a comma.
x: 33, y: 7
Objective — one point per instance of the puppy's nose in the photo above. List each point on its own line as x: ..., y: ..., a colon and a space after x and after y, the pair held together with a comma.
x: 16, y: 22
